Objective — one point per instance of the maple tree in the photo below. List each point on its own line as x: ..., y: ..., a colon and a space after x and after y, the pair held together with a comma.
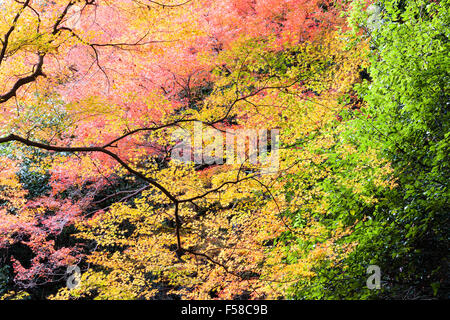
x: 93, y: 92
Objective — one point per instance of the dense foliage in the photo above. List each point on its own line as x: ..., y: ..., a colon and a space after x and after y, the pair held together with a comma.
x: 94, y: 91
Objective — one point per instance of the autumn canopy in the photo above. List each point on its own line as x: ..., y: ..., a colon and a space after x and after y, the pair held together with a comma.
x: 353, y: 96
